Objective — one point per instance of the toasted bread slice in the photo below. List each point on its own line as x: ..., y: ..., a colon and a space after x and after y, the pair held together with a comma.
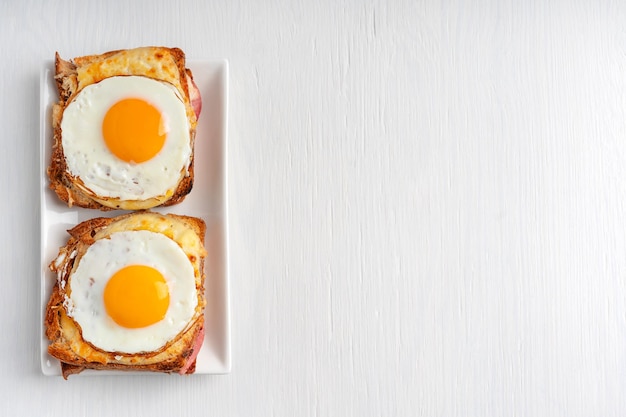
x: 159, y: 63
x: 66, y: 338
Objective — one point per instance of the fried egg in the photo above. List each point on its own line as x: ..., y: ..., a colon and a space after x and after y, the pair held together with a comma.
x: 132, y: 292
x: 127, y: 137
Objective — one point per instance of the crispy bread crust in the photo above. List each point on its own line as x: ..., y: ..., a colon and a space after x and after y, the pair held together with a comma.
x: 69, y: 82
x: 76, y: 354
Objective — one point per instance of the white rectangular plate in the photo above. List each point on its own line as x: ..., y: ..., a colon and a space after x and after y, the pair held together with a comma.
x: 207, y: 200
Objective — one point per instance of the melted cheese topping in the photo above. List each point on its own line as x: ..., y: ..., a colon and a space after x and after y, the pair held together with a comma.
x: 178, y: 231
x: 153, y: 62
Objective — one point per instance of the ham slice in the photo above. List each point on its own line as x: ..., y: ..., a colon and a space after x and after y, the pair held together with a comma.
x: 191, y: 359
x: 194, y: 96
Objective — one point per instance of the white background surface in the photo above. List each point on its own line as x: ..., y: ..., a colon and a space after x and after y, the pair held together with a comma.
x: 427, y: 206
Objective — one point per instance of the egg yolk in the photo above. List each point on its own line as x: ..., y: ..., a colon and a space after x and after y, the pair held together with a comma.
x: 134, y: 130
x: 136, y: 296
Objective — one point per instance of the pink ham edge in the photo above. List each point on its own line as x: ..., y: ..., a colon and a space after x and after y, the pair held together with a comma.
x: 197, y: 344
x: 194, y: 96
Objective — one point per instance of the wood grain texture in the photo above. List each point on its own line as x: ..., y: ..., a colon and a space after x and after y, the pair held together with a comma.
x: 427, y: 206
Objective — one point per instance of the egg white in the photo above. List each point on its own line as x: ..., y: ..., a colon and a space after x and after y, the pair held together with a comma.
x: 105, y: 257
x: 88, y: 157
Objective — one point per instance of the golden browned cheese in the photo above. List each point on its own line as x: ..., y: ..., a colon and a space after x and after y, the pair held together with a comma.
x: 159, y: 63
x: 66, y: 342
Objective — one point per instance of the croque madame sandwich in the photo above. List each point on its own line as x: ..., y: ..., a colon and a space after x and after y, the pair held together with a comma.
x: 129, y: 295
x: 124, y: 129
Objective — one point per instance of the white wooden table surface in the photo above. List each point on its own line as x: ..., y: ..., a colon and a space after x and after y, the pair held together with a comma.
x: 427, y: 206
